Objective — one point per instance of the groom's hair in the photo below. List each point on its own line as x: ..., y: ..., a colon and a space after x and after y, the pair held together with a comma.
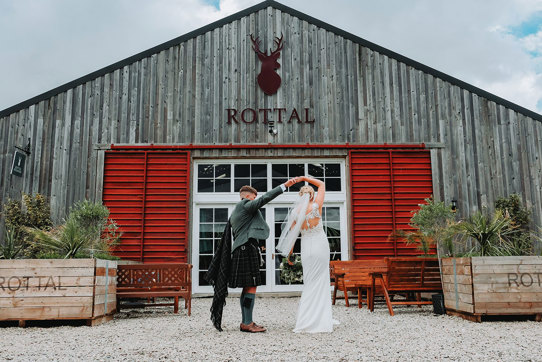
x: 248, y: 188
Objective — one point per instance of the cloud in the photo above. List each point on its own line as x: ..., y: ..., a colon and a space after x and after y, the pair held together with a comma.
x: 497, y: 47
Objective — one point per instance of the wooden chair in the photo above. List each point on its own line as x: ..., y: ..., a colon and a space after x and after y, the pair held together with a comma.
x: 407, y: 275
x: 148, y: 281
x: 354, y: 275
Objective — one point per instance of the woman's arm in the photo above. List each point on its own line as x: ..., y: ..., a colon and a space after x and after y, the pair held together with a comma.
x: 321, y: 189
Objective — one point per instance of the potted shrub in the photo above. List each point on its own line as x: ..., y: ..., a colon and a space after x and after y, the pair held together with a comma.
x: 429, y: 231
x: 68, y: 282
x: 496, y: 274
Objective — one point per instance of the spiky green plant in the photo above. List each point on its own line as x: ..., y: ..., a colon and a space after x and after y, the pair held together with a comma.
x: 87, y: 232
x: 67, y: 240
x: 490, y: 232
x: 12, y: 247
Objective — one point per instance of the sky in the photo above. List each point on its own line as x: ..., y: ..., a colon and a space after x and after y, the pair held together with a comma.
x: 495, y: 45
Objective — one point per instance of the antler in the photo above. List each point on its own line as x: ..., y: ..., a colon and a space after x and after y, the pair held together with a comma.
x: 278, y: 44
x: 256, y: 45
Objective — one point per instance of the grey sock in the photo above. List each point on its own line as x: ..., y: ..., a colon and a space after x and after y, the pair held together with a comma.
x: 247, y: 307
x: 241, y: 302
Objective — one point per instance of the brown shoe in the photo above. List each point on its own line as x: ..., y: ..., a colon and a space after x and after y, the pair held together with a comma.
x: 251, y: 328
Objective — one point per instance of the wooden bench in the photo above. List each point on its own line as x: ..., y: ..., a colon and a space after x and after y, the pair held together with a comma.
x: 146, y: 281
x: 408, y: 275
x: 354, y: 275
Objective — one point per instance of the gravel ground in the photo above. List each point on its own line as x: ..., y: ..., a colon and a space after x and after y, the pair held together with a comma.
x: 158, y: 334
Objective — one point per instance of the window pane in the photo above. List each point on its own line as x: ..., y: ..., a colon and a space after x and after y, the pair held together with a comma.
x: 278, y: 229
x: 334, y: 244
x: 205, y: 261
x: 330, y: 231
x: 333, y: 170
x: 280, y: 214
x: 259, y: 171
x: 206, y: 231
x: 316, y: 170
x: 222, y: 185
x: 278, y: 181
x: 205, y: 171
x: 296, y: 187
x: 332, y: 214
x: 333, y: 184
x: 202, y: 280
x: 222, y: 171
x: 242, y: 171
x: 205, y: 215
x: 206, y: 246
x: 205, y: 185
x: 240, y: 182
x: 219, y: 230
x: 280, y: 171
x: 260, y: 184
x: 296, y: 170
x: 221, y: 215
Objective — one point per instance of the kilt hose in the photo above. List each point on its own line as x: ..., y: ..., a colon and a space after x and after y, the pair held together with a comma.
x: 245, y: 266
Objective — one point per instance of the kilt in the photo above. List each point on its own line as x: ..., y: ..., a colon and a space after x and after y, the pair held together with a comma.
x: 245, y: 266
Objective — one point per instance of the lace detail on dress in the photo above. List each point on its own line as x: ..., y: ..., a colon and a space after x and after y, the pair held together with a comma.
x: 313, y: 214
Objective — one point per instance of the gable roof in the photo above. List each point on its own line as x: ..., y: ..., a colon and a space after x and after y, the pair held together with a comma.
x: 293, y: 12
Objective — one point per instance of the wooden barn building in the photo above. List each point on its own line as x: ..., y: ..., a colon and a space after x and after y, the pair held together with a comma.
x: 166, y: 138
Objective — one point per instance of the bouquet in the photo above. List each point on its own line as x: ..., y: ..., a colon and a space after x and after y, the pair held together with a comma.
x: 291, y: 274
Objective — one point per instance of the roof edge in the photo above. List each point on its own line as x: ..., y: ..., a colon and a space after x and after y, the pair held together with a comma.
x: 266, y: 3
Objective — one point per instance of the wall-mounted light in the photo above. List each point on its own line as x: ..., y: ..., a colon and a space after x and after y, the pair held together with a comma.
x: 271, y: 127
x: 454, y: 205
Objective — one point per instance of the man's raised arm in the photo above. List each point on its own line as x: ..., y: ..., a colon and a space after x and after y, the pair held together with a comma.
x: 270, y: 195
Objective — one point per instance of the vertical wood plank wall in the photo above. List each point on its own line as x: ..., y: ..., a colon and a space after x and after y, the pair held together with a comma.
x: 179, y: 96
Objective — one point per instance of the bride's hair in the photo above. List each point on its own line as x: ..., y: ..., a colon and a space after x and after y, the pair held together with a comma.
x: 307, y: 190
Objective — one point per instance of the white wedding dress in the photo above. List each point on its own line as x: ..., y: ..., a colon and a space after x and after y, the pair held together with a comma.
x: 314, y: 312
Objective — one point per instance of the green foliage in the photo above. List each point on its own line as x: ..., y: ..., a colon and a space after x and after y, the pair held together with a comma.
x: 12, y: 245
x: 512, y: 206
x: 32, y: 212
x: 423, y: 242
x: 67, y: 240
x: 87, y: 232
x: 430, y: 224
x: 291, y: 274
x: 521, y: 239
x: 491, y: 233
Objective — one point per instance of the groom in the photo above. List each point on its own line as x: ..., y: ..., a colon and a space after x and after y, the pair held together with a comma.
x: 248, y: 227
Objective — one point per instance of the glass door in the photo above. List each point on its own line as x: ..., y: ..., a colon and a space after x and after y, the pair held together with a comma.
x: 333, y: 216
x: 217, y: 193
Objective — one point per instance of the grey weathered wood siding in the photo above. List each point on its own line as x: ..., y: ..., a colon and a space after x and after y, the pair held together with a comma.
x: 357, y: 95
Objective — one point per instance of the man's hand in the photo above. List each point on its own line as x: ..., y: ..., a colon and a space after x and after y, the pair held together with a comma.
x: 291, y: 182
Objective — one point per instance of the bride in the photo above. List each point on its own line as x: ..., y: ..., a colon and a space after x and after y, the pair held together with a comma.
x: 314, y: 312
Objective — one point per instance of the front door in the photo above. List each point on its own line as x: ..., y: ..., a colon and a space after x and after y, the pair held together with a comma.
x: 217, y: 192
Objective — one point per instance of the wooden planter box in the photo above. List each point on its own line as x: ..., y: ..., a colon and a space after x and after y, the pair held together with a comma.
x: 501, y: 285
x: 46, y: 289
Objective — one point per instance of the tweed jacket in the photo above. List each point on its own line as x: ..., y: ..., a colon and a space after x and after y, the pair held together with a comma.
x: 246, y: 220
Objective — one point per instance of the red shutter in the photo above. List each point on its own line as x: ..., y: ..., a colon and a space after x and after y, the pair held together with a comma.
x: 386, y: 187
x: 148, y: 193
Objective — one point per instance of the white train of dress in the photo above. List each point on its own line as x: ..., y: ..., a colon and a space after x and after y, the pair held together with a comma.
x: 314, y: 311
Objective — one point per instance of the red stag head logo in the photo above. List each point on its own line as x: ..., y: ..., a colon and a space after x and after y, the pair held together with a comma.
x: 268, y: 80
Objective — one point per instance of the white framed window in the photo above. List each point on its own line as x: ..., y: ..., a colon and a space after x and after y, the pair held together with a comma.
x: 218, y: 183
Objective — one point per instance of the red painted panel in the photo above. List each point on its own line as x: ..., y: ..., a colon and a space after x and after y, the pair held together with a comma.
x: 386, y: 186
x: 148, y: 193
